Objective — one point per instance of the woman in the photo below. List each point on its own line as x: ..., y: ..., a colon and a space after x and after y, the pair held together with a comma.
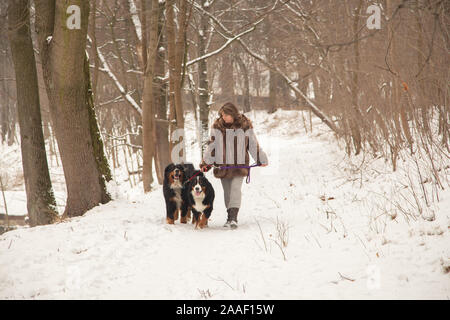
x: 229, y: 121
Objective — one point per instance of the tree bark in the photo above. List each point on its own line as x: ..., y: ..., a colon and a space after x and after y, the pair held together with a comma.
x: 356, y: 120
x: 162, y: 155
x: 4, y: 111
x: 203, y: 83
x: 97, y: 142
x: 226, y: 78
x: 176, y: 49
x: 180, y: 46
x: 171, y: 37
x: 93, y: 36
x: 244, y: 74
x: 41, y: 203
x: 67, y: 82
x: 148, y: 113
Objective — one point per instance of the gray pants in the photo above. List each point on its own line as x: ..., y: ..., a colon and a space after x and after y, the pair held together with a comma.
x: 232, y: 191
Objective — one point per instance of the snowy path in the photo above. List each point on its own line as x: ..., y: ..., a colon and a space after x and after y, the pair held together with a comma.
x: 335, y: 248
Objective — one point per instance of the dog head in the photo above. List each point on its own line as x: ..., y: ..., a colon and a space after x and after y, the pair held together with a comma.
x: 174, y: 173
x: 198, y: 185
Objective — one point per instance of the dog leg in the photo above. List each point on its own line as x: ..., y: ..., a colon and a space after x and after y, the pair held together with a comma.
x: 205, y: 216
x: 195, y: 218
x: 170, y: 212
x: 170, y: 220
x: 184, y: 214
x: 203, y: 221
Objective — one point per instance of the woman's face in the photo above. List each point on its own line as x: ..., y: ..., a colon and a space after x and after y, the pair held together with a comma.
x: 227, y: 118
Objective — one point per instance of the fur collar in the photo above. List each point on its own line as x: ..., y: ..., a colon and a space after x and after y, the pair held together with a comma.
x: 242, y: 122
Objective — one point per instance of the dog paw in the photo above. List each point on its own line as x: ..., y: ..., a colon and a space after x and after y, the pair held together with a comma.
x: 203, y: 222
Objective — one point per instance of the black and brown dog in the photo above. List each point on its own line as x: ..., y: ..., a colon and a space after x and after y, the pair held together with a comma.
x: 175, y: 176
x: 198, y: 194
x: 187, y: 190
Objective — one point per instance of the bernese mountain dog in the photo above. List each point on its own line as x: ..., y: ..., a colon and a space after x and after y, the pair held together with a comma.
x: 199, y: 196
x: 175, y: 176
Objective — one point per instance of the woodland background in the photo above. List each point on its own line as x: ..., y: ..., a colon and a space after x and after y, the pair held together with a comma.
x: 125, y: 80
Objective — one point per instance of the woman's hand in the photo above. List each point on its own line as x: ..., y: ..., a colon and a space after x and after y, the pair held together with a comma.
x: 260, y: 164
x: 204, y: 167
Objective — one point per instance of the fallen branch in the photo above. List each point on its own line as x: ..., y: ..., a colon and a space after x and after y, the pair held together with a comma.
x: 346, y: 278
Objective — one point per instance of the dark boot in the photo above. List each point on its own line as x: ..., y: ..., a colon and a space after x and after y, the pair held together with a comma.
x: 232, y: 218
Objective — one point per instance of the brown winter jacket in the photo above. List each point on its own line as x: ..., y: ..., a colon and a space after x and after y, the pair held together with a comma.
x: 257, y: 153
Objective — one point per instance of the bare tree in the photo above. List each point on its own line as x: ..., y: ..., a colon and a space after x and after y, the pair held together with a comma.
x: 8, y: 119
x: 66, y: 75
x: 203, y: 83
x: 41, y: 203
x: 176, y: 43
x: 148, y: 114
x: 162, y: 155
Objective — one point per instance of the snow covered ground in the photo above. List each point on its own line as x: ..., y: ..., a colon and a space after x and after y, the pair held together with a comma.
x: 313, y: 225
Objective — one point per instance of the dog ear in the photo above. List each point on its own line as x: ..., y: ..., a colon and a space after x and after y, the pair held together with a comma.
x: 168, y: 169
x: 209, y: 193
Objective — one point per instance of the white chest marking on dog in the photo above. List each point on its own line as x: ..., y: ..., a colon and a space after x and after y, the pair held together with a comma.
x: 176, y: 187
x: 199, y: 206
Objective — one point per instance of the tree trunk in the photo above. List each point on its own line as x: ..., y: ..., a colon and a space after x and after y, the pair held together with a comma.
x: 67, y: 82
x: 244, y: 74
x: 171, y: 37
x: 97, y: 142
x: 4, y: 110
x: 203, y: 84
x: 93, y: 36
x: 274, y: 78
x: 162, y: 155
x: 356, y: 118
x: 180, y: 44
x: 272, y: 91
x: 41, y: 203
x: 226, y: 78
x: 148, y: 113
x: 176, y: 49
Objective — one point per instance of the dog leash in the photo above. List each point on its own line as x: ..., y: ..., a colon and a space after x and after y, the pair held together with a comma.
x: 193, y: 176
x: 247, y: 180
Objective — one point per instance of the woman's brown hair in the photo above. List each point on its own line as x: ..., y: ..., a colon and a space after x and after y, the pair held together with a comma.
x: 230, y: 109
